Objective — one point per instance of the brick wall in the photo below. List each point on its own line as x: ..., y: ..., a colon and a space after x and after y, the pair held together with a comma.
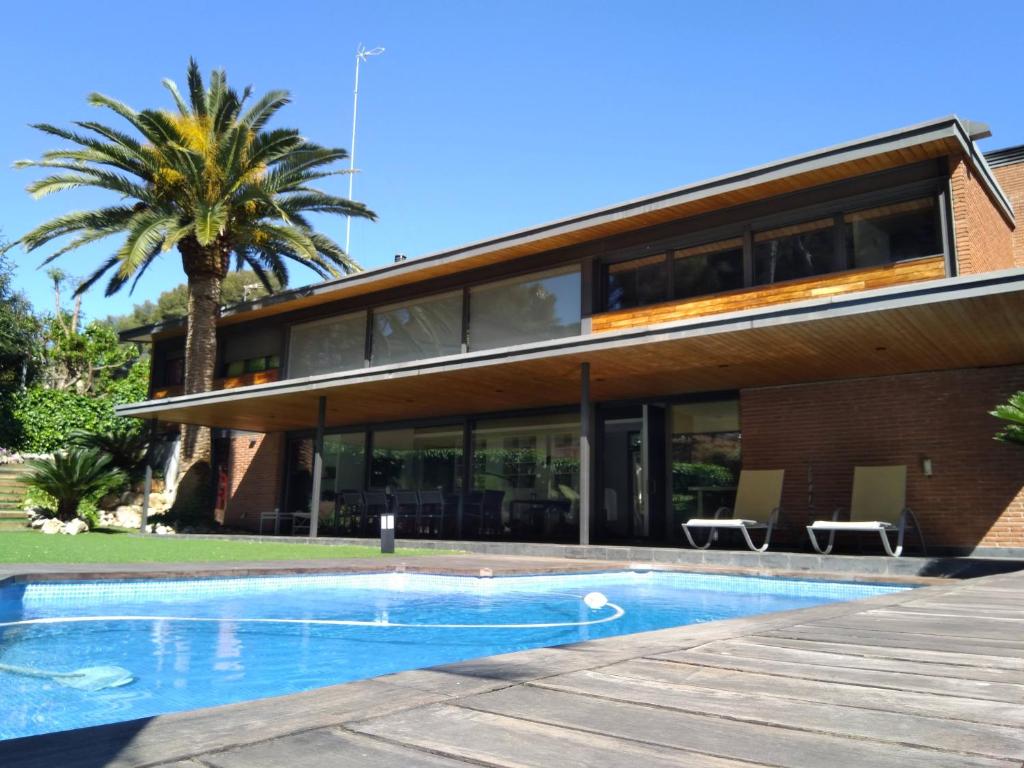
x: 983, y: 237
x: 255, y: 471
x: 1011, y: 179
x: 974, y: 497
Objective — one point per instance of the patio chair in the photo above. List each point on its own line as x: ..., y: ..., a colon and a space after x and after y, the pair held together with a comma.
x: 407, y: 513
x: 375, y: 503
x: 351, y: 511
x: 758, y: 506
x: 878, y: 505
x: 432, y: 511
x: 274, y: 517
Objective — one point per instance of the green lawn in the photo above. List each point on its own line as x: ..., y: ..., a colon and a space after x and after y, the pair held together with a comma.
x: 110, y: 547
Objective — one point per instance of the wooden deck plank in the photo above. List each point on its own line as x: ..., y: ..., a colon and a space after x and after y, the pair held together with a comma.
x: 346, y: 750
x: 1013, y: 663
x: 710, y: 735
x: 836, y: 658
x: 765, y: 709
x: 828, y: 694
x: 968, y: 689
x: 896, y: 640
x: 497, y: 740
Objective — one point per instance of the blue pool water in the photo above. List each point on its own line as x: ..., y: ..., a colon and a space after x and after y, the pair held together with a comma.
x: 192, y: 644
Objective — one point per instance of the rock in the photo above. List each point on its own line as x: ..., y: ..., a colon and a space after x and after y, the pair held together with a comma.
x: 75, y: 527
x: 110, y: 501
x: 37, y: 522
x: 53, y: 525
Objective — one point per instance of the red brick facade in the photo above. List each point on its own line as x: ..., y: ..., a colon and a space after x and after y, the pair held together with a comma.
x: 976, y: 494
x: 255, y: 473
x: 1011, y: 179
x: 984, y: 239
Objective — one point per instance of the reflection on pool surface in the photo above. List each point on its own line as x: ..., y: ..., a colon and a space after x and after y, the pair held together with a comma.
x: 200, y: 643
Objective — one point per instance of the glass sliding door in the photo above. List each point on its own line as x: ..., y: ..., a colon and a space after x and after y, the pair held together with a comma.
x: 341, y: 483
x: 422, y: 467
x: 526, y: 479
x: 706, y: 459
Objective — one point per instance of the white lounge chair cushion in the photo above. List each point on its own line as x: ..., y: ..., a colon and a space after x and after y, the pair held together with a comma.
x: 859, y: 525
x: 725, y: 522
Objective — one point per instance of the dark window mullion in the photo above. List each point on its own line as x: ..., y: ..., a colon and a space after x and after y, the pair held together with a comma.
x: 748, y: 258
x: 671, y: 275
x: 839, y: 235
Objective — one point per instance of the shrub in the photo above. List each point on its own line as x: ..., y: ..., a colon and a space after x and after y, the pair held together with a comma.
x: 126, y: 449
x: 1011, y: 412
x: 74, y: 477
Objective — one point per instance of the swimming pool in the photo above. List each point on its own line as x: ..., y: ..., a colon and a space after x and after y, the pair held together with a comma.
x: 198, y: 643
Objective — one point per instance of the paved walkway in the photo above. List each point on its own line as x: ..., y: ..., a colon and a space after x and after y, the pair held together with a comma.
x: 931, y: 677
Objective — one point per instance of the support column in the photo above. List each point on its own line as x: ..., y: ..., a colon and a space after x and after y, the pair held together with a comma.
x: 318, y: 467
x: 588, y: 475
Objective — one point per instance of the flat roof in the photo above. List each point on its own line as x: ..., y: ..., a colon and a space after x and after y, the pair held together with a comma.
x: 964, y: 322
x: 902, y: 145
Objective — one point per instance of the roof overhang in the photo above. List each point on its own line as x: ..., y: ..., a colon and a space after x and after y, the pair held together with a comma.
x: 944, y: 324
x: 936, y: 138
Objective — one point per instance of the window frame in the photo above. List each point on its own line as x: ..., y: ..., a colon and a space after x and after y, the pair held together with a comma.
x: 936, y: 188
x: 286, y: 352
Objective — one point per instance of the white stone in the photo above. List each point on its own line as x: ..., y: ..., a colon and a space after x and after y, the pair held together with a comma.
x: 53, y: 525
x: 37, y: 522
x: 75, y: 527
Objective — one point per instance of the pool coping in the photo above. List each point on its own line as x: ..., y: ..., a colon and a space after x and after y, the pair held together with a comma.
x: 467, y: 564
x: 204, y: 733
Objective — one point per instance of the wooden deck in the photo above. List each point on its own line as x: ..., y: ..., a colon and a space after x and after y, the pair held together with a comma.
x: 931, y: 677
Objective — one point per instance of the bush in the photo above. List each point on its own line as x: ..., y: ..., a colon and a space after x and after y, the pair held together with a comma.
x: 74, y: 477
x: 40, y: 420
x: 1012, y: 412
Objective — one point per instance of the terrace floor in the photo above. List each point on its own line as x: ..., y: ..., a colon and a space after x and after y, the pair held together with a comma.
x: 930, y: 677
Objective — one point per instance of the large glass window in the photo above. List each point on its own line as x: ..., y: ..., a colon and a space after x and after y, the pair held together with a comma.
x: 801, y: 250
x: 417, y: 459
x: 326, y: 346
x: 526, y: 478
x: 430, y: 327
x: 709, y: 268
x: 524, y: 309
x: 891, y: 233
x: 636, y: 283
x: 705, y: 458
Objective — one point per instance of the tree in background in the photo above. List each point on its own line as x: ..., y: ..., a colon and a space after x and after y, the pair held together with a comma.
x: 19, y: 333
x: 209, y: 180
x: 238, y: 286
x: 80, y: 359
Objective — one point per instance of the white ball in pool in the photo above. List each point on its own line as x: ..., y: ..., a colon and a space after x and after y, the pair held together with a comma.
x: 595, y: 601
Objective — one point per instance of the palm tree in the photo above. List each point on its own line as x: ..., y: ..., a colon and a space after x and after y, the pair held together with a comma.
x: 208, y: 179
x: 71, y: 476
x: 1012, y: 412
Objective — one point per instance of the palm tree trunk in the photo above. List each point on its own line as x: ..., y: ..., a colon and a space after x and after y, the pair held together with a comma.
x: 205, y: 269
x: 200, y: 359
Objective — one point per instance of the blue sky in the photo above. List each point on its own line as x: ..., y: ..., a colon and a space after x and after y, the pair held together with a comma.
x: 484, y: 117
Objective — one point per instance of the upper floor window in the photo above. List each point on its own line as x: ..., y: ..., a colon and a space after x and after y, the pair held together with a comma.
x: 325, y: 346
x: 174, y: 369
x: 525, y: 309
x: 709, y: 268
x: 892, y: 233
x: 637, y: 282
x: 800, y: 250
x: 430, y: 327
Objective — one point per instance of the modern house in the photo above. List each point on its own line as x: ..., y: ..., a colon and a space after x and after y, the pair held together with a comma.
x: 601, y: 378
